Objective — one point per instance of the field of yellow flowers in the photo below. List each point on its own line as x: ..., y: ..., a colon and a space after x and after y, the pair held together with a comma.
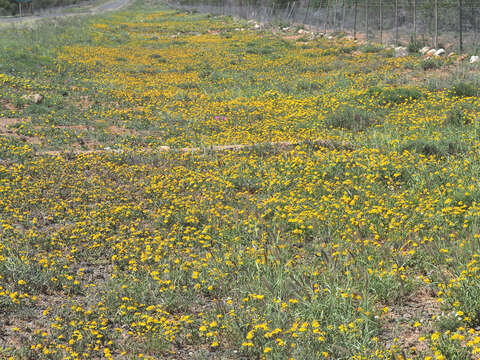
x: 348, y: 228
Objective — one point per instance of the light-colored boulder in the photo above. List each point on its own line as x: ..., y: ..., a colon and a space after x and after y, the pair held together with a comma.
x: 451, y: 54
x: 400, y: 51
x: 424, y: 50
x: 431, y: 52
x: 474, y: 59
x: 440, y: 52
x: 34, y: 98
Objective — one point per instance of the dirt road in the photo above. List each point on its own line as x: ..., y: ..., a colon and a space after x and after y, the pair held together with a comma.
x: 63, y: 12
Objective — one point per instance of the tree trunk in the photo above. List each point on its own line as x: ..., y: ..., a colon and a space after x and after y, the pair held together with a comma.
x: 343, y: 16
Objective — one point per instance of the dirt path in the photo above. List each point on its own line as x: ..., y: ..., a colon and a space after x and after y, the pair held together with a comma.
x: 216, y: 148
x: 62, y: 12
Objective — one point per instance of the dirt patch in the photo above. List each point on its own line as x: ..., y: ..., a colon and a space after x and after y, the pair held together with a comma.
x: 400, y: 326
x: 8, y: 105
x: 7, y: 129
x: 293, y: 37
x: 6, y: 125
x: 117, y: 130
x: 84, y: 103
x: 73, y: 127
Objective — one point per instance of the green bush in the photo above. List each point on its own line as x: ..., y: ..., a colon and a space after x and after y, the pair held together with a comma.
x: 7, y: 7
x: 397, y: 95
x: 456, y: 116
x: 431, y: 63
x: 436, y: 148
x: 414, y: 45
x: 464, y: 89
x: 350, y: 117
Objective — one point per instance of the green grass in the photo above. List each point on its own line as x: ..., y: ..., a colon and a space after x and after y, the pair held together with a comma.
x: 352, y: 215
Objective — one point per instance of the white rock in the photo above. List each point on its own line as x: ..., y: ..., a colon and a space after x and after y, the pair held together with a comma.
x: 431, y: 52
x: 474, y: 59
x: 451, y: 54
x: 35, y: 98
x: 301, y: 31
x: 401, y: 51
x: 330, y: 37
x: 424, y: 50
x: 440, y: 52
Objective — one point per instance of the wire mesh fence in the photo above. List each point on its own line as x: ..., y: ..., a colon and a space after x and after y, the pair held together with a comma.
x: 450, y: 24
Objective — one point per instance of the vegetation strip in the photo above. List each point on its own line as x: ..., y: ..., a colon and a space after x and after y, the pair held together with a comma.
x: 361, y: 245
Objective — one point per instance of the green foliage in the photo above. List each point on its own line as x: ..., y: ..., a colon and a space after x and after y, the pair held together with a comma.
x: 435, y: 148
x: 414, y: 45
x: 350, y: 117
x: 464, y: 89
x: 397, y: 95
x: 457, y: 115
x: 7, y: 7
x: 431, y: 64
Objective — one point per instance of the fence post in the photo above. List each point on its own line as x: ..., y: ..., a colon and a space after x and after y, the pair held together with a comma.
x: 381, y: 21
x: 327, y: 15
x: 306, y: 14
x: 460, y: 26
x: 415, y: 19
x: 475, y: 25
x: 396, y: 22
x: 366, y: 18
x: 335, y: 16
x: 355, y: 21
x: 436, y: 24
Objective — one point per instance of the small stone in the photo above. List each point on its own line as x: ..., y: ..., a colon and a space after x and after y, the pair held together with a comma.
x: 431, y: 52
x: 474, y: 59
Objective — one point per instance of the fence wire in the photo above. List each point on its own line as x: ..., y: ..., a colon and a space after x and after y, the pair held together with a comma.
x: 452, y: 25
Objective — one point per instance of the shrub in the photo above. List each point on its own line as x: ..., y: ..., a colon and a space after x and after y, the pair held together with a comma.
x: 456, y: 116
x: 371, y: 48
x: 7, y: 7
x: 436, y: 148
x: 397, y: 95
x: 350, y: 117
x: 464, y: 89
x: 431, y: 63
x: 414, y: 45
